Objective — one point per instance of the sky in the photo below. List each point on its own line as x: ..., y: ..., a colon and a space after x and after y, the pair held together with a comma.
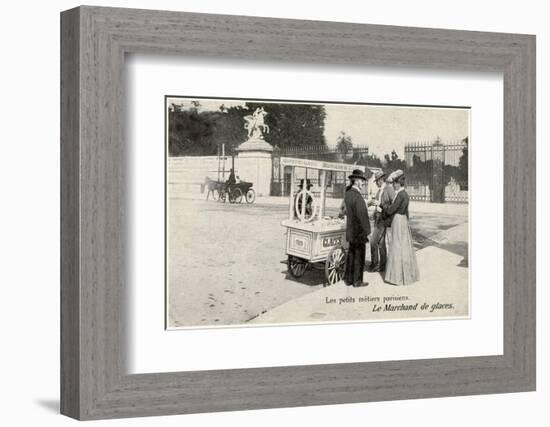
x: 387, y: 128
x: 382, y: 128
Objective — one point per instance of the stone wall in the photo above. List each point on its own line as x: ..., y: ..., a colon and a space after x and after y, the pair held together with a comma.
x: 253, y: 164
x: 188, y: 174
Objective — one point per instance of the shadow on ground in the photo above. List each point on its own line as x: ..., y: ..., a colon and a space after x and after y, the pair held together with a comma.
x: 51, y: 405
x: 313, y: 276
x: 458, y: 248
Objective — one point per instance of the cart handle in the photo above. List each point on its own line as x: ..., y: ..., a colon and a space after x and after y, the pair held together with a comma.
x: 301, y: 213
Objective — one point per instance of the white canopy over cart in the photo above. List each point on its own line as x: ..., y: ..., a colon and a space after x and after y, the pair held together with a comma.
x: 311, y: 236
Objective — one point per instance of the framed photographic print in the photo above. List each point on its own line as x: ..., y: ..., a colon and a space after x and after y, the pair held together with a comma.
x: 248, y: 204
x: 272, y: 166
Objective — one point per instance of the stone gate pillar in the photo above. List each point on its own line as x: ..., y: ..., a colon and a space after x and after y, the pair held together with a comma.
x: 254, y: 164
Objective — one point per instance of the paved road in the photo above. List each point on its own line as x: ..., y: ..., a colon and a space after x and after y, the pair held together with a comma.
x: 442, y: 290
x: 227, y: 263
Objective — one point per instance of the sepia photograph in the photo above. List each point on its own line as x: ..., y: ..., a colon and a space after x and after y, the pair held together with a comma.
x: 287, y: 212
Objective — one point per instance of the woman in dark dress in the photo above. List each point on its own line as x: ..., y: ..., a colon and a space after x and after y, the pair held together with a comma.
x: 401, y: 267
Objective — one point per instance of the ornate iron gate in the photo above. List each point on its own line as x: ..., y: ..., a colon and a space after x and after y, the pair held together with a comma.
x: 437, y: 172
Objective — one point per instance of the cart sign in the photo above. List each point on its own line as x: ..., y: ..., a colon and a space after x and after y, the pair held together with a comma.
x: 316, y: 164
x: 300, y: 243
x: 331, y: 241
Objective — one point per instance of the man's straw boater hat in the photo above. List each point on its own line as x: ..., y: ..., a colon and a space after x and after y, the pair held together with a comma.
x: 378, y: 175
x: 357, y: 173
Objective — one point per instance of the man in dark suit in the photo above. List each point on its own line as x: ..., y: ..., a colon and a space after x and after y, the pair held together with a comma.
x: 357, y: 229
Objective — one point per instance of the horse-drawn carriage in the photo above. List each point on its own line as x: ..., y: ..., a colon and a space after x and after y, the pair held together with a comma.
x: 233, y: 193
x: 313, y: 239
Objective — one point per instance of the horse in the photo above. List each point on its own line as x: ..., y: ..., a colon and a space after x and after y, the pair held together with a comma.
x: 212, y: 187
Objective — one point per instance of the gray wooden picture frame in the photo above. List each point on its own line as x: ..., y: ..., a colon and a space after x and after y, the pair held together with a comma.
x: 94, y: 268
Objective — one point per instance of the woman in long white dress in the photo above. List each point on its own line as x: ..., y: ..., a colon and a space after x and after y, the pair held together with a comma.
x: 401, y: 268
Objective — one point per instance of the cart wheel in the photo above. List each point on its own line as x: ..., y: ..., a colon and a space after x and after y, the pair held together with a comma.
x: 250, y: 196
x: 235, y: 195
x: 335, y: 265
x: 296, y: 266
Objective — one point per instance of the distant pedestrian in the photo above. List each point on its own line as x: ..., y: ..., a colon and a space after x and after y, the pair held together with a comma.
x: 402, y: 268
x: 357, y: 229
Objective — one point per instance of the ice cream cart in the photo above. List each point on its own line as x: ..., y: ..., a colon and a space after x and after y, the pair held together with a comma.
x: 313, y: 239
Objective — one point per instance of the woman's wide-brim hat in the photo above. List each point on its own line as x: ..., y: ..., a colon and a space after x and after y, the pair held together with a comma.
x: 395, y: 175
x: 357, y: 173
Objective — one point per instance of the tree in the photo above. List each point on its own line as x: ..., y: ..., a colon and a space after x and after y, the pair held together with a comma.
x: 193, y: 132
x: 229, y: 128
x: 293, y: 125
x: 359, y: 156
x: 200, y: 133
x: 343, y: 144
x: 392, y: 162
x: 374, y: 161
x: 420, y: 171
x: 189, y: 133
x: 463, y: 165
x: 175, y: 107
